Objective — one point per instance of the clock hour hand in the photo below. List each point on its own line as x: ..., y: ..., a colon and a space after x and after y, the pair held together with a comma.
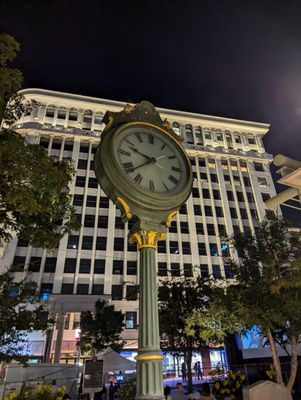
x: 151, y: 160
x: 139, y: 152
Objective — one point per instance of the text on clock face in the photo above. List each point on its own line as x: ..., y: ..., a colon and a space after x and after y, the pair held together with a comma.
x: 150, y: 160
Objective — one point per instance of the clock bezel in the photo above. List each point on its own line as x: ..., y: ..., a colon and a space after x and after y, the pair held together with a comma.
x: 117, y: 184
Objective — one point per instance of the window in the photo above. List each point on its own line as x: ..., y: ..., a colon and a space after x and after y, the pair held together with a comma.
x: 203, y: 176
x: 104, y: 202
x: 251, y: 140
x: 82, y: 288
x: 162, y: 247
x: 202, y: 249
x: 45, y: 291
x: 82, y: 164
x: 189, y: 135
x: 103, y: 221
x: 265, y: 196
x: 131, y: 292
x: 89, y: 221
x: 228, y: 272
x: 61, y: 114
x: 188, y: 271
x: 219, y: 212
x: 35, y: 264
x: 44, y: 142
x: 192, y: 160
x: 211, y: 163
x: 243, y: 213
x: 99, y: 266
x: 227, y: 178
x: 250, y: 197
x: 101, y: 243
x: 183, y: 209
x: 175, y: 269
x: 117, y: 267
x: 118, y: 244
x: 87, y: 116
x: 73, y: 115
x: 254, y: 213
x: 84, y: 148
x: 237, y: 139
x: 199, y: 228
x: 184, y: 227
x: 84, y: 266
x: 50, y: 264
x: 97, y: 289
x: 78, y: 200
x: 243, y: 166
x: 67, y: 288
x: 210, y: 229
x: 219, y: 137
x: 236, y: 179
x: 22, y: 243
x: 258, y: 167
x: 173, y: 227
x: 87, y: 243
x: 56, y: 145
x: 233, y: 212
x: 132, y: 247
x: 198, y: 135
x: 118, y: 223
x: 216, y: 270
x: 92, y: 183
x: 173, y: 247
x: 213, y: 249
x: 131, y: 268
x: 247, y: 181
x: 206, y: 193
x: 262, y: 181
x: 195, y: 192
x: 50, y: 112
x: 222, y: 230
x: 72, y: 242
x: 202, y: 162
x: 176, y: 128
x: 207, y: 135
x: 197, y: 209
x: 92, y: 165
x: 216, y: 194
x: 130, y: 320
x: 204, y: 270
x: 225, y: 249
x: 228, y: 138
x: 91, y: 201
x: 186, y: 248
x: 116, y: 292
x: 208, y: 211
x: 162, y: 269
x: 80, y: 181
x: 240, y: 197
x: 270, y: 214
x: 70, y: 265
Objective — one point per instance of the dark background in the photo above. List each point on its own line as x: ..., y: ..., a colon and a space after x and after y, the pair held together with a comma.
x: 230, y: 58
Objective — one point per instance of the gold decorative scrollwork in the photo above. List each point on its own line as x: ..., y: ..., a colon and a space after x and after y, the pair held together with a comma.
x: 146, y: 357
x: 170, y: 217
x: 126, y: 208
x: 145, y: 238
x: 128, y: 109
x: 166, y: 124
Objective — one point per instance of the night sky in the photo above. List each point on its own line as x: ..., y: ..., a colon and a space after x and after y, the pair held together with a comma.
x: 237, y: 59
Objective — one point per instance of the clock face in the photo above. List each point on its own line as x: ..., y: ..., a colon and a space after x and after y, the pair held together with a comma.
x: 151, y: 160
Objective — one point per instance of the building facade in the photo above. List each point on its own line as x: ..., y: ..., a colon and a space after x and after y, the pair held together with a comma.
x: 231, y: 182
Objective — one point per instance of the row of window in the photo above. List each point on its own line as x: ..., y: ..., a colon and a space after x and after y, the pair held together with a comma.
x: 68, y: 145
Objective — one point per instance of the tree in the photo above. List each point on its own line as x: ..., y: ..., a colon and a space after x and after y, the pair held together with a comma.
x: 184, y: 303
x: 101, y: 328
x: 20, y: 312
x: 267, y: 292
x: 35, y: 203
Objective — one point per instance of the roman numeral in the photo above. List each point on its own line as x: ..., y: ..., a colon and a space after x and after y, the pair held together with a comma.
x: 129, y: 142
x: 173, y: 179
x: 151, y: 185
x: 172, y: 157
x: 128, y: 166
x: 163, y: 146
x: 176, y: 169
x: 166, y: 187
x: 151, y: 139
x: 126, y: 153
x: 139, y: 137
x: 138, y: 178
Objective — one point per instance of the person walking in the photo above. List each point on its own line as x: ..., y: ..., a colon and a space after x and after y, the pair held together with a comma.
x: 199, y: 370
x: 183, y: 370
x: 167, y: 393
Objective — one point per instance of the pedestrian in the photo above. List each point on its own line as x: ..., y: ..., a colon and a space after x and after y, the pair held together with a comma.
x: 179, y: 395
x: 167, y: 393
x: 183, y: 369
x: 112, y: 391
x: 195, y: 367
x: 199, y: 370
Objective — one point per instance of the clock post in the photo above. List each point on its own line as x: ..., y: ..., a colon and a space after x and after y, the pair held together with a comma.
x: 143, y: 168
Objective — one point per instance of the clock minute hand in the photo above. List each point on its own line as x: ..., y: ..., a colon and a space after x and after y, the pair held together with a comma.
x: 140, y: 165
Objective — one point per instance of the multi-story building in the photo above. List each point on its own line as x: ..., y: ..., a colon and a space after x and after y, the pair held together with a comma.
x: 231, y: 182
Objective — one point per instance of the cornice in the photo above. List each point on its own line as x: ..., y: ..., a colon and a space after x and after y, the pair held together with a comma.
x: 204, y: 120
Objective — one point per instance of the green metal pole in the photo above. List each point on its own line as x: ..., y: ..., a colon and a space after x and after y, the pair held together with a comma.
x: 149, y: 358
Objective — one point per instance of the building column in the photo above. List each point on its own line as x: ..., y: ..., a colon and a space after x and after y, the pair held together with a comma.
x: 59, y: 336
